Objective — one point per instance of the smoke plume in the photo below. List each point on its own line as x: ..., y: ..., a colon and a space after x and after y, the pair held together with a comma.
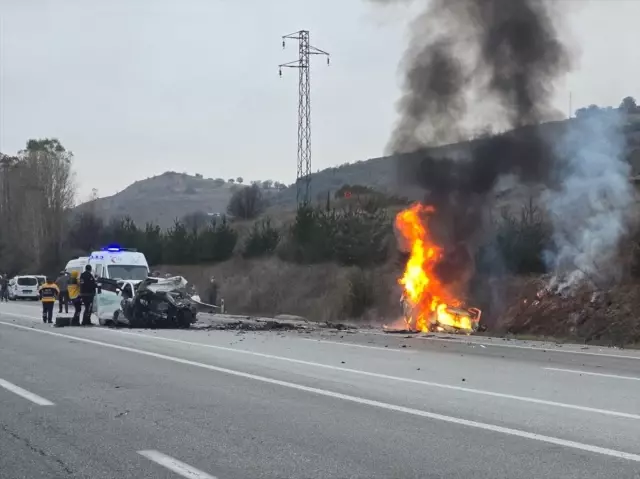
x: 590, y: 210
x: 472, y: 60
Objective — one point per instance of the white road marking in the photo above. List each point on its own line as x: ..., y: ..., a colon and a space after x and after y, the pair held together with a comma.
x: 357, y: 345
x: 34, y: 398
x: 391, y: 378
x: 370, y: 374
x: 353, y: 399
x: 547, y: 349
x: 575, y: 371
x: 180, y: 468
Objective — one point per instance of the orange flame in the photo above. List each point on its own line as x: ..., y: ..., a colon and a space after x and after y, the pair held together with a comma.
x: 431, y: 305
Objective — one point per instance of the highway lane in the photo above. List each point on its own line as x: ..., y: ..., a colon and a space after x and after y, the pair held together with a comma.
x: 278, y: 405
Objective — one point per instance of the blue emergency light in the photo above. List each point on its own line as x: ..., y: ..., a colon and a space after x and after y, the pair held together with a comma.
x: 114, y: 248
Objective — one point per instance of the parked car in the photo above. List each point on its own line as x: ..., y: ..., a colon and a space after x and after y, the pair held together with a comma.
x: 23, y: 287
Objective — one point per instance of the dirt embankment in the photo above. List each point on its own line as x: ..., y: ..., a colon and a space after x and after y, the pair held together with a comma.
x: 608, y: 317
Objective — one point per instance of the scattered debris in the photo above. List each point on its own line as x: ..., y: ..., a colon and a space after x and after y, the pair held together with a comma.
x: 255, y: 325
x: 399, y: 331
x: 339, y: 326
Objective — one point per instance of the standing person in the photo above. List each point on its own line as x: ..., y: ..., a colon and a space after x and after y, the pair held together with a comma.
x: 212, y: 292
x: 48, y: 293
x: 88, y: 288
x: 4, y: 288
x: 63, y: 285
x: 73, y: 289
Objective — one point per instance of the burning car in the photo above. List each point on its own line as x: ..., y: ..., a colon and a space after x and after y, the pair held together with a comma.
x: 427, y: 303
x: 446, y: 319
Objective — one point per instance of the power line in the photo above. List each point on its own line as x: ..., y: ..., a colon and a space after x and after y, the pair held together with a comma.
x: 303, y: 174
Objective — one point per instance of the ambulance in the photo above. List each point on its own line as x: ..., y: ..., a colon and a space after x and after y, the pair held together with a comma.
x: 77, y: 264
x: 114, y: 262
x: 126, y: 266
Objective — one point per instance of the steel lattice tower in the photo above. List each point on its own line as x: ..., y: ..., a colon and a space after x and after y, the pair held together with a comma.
x: 303, y: 176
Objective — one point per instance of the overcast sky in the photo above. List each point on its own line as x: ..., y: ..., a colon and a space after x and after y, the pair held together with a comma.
x: 138, y: 87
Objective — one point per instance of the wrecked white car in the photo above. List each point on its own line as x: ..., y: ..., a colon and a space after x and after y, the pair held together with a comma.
x: 151, y: 303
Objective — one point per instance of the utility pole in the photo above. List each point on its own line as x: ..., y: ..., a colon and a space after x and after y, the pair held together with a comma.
x: 303, y: 175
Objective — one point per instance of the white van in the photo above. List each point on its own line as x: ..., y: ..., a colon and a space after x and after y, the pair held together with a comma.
x: 77, y: 264
x: 115, y: 262
x: 23, y: 287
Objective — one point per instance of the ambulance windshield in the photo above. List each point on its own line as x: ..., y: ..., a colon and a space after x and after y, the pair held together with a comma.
x: 129, y: 272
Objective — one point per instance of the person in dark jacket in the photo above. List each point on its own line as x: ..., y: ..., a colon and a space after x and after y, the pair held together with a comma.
x: 88, y: 289
x: 48, y: 293
x: 4, y: 288
x: 212, y: 292
x: 63, y: 285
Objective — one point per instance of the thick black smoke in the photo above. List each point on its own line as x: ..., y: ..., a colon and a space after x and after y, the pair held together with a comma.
x: 470, y: 60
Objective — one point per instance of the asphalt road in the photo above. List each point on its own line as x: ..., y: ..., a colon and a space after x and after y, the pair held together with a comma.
x: 100, y: 403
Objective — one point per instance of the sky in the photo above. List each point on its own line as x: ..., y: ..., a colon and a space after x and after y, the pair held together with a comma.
x: 135, y: 88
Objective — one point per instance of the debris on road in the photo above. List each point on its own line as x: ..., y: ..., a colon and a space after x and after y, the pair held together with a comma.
x: 247, y: 323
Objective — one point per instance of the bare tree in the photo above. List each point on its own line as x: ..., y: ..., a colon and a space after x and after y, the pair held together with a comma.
x: 37, y: 193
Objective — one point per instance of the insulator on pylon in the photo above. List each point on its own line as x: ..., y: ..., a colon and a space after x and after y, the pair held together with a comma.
x: 280, y: 71
x: 328, y: 60
x: 283, y: 44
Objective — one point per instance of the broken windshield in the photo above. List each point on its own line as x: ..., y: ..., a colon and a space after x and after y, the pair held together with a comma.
x: 130, y: 272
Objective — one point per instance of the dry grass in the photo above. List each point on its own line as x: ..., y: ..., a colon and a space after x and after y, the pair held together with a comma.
x: 269, y: 287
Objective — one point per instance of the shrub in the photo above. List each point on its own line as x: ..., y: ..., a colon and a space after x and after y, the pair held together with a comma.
x: 179, y: 245
x: 361, y: 237
x: 360, y: 295
x: 310, y: 237
x: 351, y: 236
x: 247, y: 202
x: 263, y: 239
x: 152, y: 243
x: 217, y: 242
x: 518, y: 245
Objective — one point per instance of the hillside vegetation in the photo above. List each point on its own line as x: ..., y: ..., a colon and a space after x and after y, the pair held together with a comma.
x: 164, y: 198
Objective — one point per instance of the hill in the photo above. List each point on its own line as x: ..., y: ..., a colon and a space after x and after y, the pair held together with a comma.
x: 163, y: 198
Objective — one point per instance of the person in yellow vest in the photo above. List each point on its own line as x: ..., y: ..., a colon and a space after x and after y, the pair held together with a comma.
x: 48, y: 293
x: 73, y: 290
